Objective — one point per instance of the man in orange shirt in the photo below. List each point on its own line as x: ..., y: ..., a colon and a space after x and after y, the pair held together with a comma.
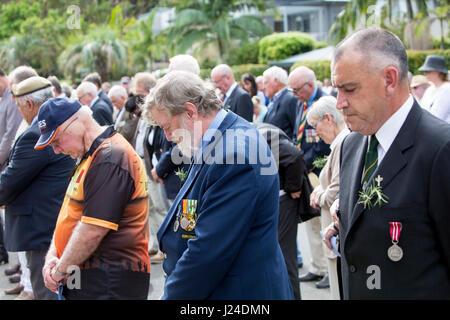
x: 102, y: 226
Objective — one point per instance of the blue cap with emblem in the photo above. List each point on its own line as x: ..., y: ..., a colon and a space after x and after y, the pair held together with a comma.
x: 52, y: 114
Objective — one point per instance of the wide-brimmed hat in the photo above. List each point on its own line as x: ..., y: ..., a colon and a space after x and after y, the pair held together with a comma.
x: 419, y: 80
x: 434, y: 62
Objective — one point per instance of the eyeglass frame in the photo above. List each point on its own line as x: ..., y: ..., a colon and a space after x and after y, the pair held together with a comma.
x: 295, y: 90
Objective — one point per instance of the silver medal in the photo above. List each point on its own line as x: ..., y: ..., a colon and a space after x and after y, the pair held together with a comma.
x: 184, y: 223
x: 395, y: 253
x: 175, y: 225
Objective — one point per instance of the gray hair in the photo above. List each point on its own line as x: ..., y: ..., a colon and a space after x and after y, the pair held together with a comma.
x: 223, y: 70
x: 184, y: 62
x: 117, y: 91
x: 380, y: 47
x: 87, y: 87
x: 324, y: 105
x: 175, y: 89
x: 21, y: 73
x: 37, y: 97
x: 277, y: 73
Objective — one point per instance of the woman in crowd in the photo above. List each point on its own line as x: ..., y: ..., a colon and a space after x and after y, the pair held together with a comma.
x: 330, y: 127
x: 437, y: 98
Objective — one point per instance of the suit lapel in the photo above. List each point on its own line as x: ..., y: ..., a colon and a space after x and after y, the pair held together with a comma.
x: 193, y: 174
x: 393, y: 162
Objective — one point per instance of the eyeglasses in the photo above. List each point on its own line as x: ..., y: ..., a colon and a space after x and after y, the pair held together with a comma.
x: 55, y: 142
x: 295, y: 90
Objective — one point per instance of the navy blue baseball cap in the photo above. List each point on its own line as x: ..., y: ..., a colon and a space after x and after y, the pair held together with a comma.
x: 51, y: 115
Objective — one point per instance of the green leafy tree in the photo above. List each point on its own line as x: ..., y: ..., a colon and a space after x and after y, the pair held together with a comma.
x: 201, y: 23
x: 99, y: 50
x: 14, y: 13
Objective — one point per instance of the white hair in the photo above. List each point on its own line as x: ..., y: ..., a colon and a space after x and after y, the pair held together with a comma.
x: 117, y: 91
x: 184, y: 62
x: 277, y: 73
x: 223, y: 70
x: 324, y: 105
x: 37, y: 97
x: 87, y: 87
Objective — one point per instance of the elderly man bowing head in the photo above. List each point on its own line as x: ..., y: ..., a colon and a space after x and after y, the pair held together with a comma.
x: 102, y: 227
x: 219, y: 238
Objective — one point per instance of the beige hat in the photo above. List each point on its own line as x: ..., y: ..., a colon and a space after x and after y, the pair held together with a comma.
x: 30, y: 85
x: 418, y: 81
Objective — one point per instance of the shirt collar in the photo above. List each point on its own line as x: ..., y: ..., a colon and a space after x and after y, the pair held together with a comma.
x: 230, y: 90
x: 312, y: 96
x: 389, y: 130
x: 94, y: 101
x: 209, y: 133
x: 109, y: 132
x: 278, y: 94
x: 339, y: 137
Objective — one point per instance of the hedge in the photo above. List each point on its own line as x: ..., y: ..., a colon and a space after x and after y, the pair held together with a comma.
x: 239, y: 70
x: 278, y: 46
x: 416, y: 58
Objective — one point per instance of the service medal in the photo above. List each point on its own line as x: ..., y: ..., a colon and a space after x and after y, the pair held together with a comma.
x: 176, y: 225
x: 395, y: 253
x: 184, y: 222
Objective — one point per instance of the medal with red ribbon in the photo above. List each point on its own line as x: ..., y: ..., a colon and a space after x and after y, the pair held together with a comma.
x: 395, y: 253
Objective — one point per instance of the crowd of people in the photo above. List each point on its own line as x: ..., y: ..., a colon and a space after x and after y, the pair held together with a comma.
x: 101, y: 181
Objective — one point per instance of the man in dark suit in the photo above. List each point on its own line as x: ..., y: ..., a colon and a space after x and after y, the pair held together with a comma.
x: 395, y: 245
x: 87, y: 95
x: 295, y: 189
x: 33, y: 185
x: 97, y: 80
x: 302, y: 82
x: 234, y: 97
x: 220, y: 235
x: 282, y: 106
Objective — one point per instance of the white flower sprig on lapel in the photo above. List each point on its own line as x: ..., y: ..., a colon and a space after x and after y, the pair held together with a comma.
x: 319, y: 163
x: 181, y: 174
x: 373, y: 195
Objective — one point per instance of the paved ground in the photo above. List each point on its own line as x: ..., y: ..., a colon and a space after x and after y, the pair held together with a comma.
x: 308, y: 289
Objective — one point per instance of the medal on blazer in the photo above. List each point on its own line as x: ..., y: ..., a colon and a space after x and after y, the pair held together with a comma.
x: 188, y: 217
x: 176, y: 224
x: 395, y: 253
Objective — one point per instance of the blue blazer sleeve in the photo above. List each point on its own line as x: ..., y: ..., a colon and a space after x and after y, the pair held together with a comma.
x: 25, y: 164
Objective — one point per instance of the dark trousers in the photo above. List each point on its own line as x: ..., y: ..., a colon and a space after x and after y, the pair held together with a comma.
x: 109, y: 283
x: 287, y: 238
x: 36, y: 261
x: 3, y: 252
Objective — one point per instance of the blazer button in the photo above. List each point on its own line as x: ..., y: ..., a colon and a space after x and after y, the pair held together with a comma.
x: 165, y: 255
x: 352, y: 268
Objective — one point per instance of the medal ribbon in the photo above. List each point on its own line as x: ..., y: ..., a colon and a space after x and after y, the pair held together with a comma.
x: 395, y: 230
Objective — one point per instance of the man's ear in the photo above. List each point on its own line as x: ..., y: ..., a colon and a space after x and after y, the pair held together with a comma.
x: 191, y: 111
x: 390, y: 75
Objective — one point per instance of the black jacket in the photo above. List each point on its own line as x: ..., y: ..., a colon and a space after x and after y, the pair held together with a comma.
x: 291, y: 169
x: 32, y: 187
x: 240, y: 103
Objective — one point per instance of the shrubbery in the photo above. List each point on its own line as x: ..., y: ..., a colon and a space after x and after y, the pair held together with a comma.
x: 278, y: 46
x: 320, y: 67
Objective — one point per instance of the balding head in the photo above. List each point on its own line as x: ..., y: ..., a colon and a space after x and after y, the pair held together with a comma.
x: 378, y: 49
x: 222, y: 77
x: 302, y: 81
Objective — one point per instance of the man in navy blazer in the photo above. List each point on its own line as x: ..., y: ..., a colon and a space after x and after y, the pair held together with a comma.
x: 220, y: 236
x: 33, y: 185
x: 398, y: 248
x: 234, y: 97
x: 283, y: 106
x: 87, y: 95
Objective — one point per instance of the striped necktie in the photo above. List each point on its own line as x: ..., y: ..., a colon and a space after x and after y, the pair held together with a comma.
x: 371, y: 162
x: 301, y: 127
